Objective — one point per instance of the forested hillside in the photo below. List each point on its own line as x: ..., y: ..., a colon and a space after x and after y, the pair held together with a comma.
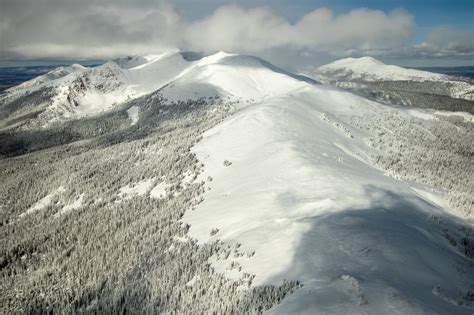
x: 72, y: 242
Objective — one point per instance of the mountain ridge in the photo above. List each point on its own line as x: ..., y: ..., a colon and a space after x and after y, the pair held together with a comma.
x: 90, y: 91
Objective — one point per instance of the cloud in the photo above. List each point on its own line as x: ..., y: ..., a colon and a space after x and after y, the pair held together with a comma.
x: 106, y: 28
x: 447, y: 41
x: 85, y: 29
x: 252, y: 30
x: 236, y: 29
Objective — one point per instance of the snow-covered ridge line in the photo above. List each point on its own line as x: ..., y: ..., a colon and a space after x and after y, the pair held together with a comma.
x: 80, y: 91
x: 305, y: 197
x: 54, y: 74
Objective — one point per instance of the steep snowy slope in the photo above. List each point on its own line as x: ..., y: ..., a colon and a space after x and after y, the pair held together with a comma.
x: 370, y: 69
x: 296, y: 189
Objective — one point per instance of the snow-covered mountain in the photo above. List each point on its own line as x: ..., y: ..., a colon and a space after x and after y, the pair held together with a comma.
x: 367, y: 73
x: 89, y: 91
x: 79, y: 91
x: 315, y: 184
x: 371, y: 69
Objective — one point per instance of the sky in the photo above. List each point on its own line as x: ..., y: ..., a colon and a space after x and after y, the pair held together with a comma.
x: 290, y: 33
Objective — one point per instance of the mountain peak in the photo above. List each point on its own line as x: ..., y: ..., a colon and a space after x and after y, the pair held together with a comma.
x: 369, y: 59
x: 362, y: 61
x: 371, y: 69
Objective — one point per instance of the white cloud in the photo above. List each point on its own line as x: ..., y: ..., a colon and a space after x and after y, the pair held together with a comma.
x: 360, y: 29
x: 447, y: 41
x: 103, y: 29
x: 85, y: 29
x: 252, y: 30
x: 236, y: 29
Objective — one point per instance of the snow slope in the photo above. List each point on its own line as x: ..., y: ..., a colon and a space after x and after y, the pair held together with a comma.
x: 370, y: 69
x: 300, y: 193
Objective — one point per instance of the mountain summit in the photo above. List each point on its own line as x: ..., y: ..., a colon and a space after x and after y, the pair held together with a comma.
x: 371, y: 69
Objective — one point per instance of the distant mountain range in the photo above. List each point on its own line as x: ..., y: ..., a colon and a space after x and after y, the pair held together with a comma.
x: 14, y: 75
